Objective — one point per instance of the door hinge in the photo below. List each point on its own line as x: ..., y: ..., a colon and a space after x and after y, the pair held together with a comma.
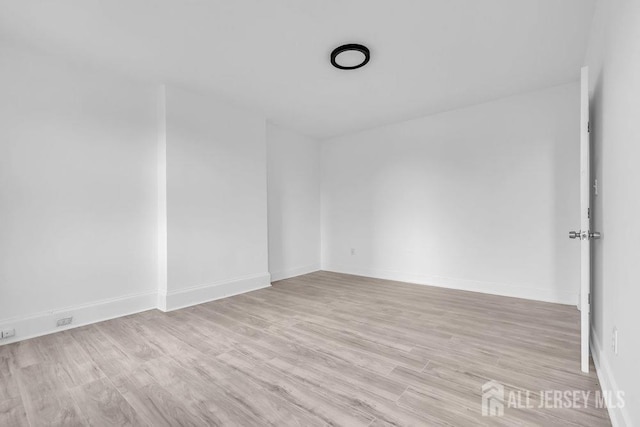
x: 589, y: 127
x: 588, y: 213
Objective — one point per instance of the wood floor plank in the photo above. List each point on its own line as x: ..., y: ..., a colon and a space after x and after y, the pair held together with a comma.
x: 330, y: 408
x: 103, y: 405
x: 110, y: 358
x: 19, y: 355
x: 8, y: 386
x: 67, y: 355
x: 54, y: 409
x: 12, y: 413
x: 42, y: 379
x: 383, y: 409
x: 320, y: 349
x: 177, y: 324
x: 272, y: 407
x: 284, y: 348
x: 212, y: 403
x: 158, y: 407
x: 370, y: 347
x: 125, y: 333
x: 333, y: 348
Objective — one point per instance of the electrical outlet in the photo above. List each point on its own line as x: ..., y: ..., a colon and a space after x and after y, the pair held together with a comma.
x: 7, y: 333
x: 614, y: 341
x: 353, y: 251
x: 64, y: 321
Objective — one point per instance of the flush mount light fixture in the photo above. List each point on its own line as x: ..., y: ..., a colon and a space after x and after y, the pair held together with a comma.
x: 350, y: 56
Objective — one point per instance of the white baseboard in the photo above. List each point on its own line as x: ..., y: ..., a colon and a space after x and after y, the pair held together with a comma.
x: 619, y: 416
x: 493, y: 288
x: 45, y: 323
x: 293, y: 272
x: 174, y: 300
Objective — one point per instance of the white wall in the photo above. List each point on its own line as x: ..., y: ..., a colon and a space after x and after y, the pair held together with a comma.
x: 614, y: 60
x: 77, y: 192
x: 479, y: 198
x: 96, y: 221
x: 293, y: 165
x: 216, y: 199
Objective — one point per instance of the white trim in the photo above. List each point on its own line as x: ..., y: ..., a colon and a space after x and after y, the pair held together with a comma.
x: 162, y: 190
x: 293, y: 272
x: 493, y: 288
x: 619, y: 416
x: 194, y: 295
x: 44, y: 323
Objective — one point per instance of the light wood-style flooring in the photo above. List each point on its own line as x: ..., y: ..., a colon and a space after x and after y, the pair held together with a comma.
x: 320, y: 349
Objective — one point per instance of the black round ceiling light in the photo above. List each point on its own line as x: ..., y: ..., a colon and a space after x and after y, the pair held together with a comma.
x: 350, y: 56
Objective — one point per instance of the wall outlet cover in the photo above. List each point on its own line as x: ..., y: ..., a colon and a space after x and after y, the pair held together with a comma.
x: 64, y: 321
x: 8, y: 333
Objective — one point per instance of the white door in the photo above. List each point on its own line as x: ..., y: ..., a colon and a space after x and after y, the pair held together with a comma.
x: 585, y: 235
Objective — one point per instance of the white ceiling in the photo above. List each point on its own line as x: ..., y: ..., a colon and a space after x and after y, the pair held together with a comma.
x: 273, y: 55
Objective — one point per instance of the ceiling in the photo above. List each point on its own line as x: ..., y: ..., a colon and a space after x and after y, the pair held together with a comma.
x: 427, y: 56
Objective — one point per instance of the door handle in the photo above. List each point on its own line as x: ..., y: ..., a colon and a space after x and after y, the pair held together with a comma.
x: 591, y: 235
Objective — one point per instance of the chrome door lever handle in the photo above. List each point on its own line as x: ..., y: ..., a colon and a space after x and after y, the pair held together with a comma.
x: 584, y: 235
